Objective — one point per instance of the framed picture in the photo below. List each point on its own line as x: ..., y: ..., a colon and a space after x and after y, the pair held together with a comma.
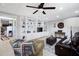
x: 28, y: 31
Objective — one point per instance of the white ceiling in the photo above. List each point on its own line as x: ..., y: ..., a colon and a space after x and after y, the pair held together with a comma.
x: 63, y: 10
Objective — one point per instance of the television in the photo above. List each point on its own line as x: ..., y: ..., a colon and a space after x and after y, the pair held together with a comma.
x: 39, y: 29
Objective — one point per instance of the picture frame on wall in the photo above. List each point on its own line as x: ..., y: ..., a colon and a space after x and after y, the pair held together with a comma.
x: 28, y: 31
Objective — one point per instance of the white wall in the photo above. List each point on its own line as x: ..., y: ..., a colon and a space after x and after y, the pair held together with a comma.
x: 18, y: 30
x: 52, y: 27
x: 33, y: 27
x: 19, y: 27
x: 74, y: 22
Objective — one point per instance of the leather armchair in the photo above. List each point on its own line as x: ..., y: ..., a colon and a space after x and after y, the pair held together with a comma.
x: 68, y: 49
x: 64, y: 50
x: 51, y: 40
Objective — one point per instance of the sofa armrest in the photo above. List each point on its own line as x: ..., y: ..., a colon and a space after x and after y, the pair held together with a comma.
x: 6, y: 49
x: 38, y: 45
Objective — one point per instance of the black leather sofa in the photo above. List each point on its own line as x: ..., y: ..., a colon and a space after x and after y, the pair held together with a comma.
x: 68, y: 49
x: 64, y: 50
x: 51, y: 40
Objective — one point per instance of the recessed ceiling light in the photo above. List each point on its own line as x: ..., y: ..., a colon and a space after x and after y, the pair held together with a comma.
x: 61, y: 8
x: 57, y: 16
x: 77, y: 11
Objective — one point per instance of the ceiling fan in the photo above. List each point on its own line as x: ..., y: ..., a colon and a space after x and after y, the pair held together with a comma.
x: 41, y: 6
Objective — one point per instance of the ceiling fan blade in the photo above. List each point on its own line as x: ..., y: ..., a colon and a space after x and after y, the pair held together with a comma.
x: 49, y: 7
x: 35, y: 11
x: 41, y: 5
x: 32, y: 7
x: 43, y: 12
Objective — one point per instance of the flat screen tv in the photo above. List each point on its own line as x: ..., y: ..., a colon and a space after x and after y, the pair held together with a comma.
x: 39, y: 29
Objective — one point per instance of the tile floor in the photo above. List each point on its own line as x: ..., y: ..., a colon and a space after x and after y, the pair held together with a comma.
x: 49, y: 50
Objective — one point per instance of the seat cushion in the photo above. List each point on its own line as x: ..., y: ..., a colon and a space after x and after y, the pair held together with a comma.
x: 6, y: 49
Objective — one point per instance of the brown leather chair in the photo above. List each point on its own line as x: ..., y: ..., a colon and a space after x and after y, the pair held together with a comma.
x: 68, y: 49
x: 51, y: 40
